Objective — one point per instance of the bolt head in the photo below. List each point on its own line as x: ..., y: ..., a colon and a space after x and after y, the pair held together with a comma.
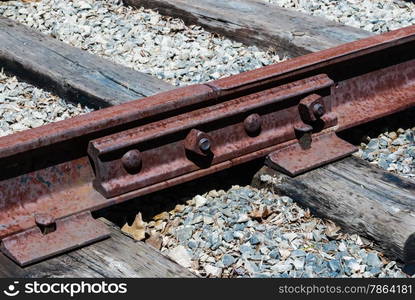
x: 318, y: 110
x: 204, y: 144
x: 198, y: 142
x: 43, y: 219
x: 253, y: 124
x: 311, y: 108
x: 132, y: 161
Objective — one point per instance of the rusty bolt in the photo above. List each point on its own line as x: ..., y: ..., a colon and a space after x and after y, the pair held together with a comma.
x: 204, y: 144
x: 303, y: 133
x: 45, y: 222
x: 198, y: 142
x: 132, y: 161
x: 253, y: 124
x: 318, y: 110
x: 43, y: 219
x: 302, y: 128
x: 311, y: 108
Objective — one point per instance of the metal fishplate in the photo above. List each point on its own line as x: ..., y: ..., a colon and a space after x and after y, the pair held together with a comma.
x: 159, y: 151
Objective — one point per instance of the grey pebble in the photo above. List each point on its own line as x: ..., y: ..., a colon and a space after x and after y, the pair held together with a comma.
x: 373, y: 260
x: 228, y: 260
x: 184, y: 233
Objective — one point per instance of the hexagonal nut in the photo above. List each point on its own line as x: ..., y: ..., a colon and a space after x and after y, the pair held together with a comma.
x: 198, y: 142
x: 311, y: 108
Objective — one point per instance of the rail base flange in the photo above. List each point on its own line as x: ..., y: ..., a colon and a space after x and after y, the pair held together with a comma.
x: 324, y: 148
x: 31, y: 246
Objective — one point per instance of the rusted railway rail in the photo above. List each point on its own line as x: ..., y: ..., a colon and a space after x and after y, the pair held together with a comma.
x: 54, y: 175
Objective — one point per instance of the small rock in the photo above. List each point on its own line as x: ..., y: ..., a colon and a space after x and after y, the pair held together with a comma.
x: 298, y: 263
x: 334, y: 265
x: 238, y: 235
x: 398, y: 142
x: 200, y: 201
x: 213, y: 194
x: 181, y: 256
x: 392, y: 135
x: 254, y: 240
x: 185, y: 233
x: 192, y: 244
x: 251, y: 267
x: 179, y: 208
x: 228, y: 260
x: 207, y: 220
x: 228, y: 236
x: 197, y: 219
x: 243, y: 218
x: 213, y: 271
x: 274, y: 254
x: 281, y: 267
x: 373, y: 144
x: 285, y: 253
x: 373, y: 260
x: 245, y: 249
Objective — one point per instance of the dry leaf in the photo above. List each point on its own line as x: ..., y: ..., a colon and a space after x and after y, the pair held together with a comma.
x: 155, y: 240
x: 160, y: 225
x: 262, y: 212
x: 137, y: 230
x: 162, y: 216
x: 170, y: 227
x: 332, y: 229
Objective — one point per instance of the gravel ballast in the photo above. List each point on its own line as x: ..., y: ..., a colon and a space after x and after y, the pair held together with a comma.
x: 246, y: 232
x: 375, y: 16
x: 393, y: 151
x: 140, y: 39
x: 242, y: 232
x: 23, y: 106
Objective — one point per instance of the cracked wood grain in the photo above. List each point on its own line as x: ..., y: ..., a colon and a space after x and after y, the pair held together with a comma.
x: 71, y: 73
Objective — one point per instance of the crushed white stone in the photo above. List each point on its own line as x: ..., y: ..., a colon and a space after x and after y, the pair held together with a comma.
x: 393, y: 151
x: 140, y: 38
x: 375, y: 16
x: 23, y: 106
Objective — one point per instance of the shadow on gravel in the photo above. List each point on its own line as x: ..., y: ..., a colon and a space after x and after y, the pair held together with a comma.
x: 373, y: 129
x: 166, y: 200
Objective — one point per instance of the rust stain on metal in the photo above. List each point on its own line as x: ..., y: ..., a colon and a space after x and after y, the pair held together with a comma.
x: 290, y: 110
x: 71, y: 232
x: 324, y: 148
x: 227, y: 141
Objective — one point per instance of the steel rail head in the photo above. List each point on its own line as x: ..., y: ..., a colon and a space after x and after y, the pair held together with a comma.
x: 290, y: 111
